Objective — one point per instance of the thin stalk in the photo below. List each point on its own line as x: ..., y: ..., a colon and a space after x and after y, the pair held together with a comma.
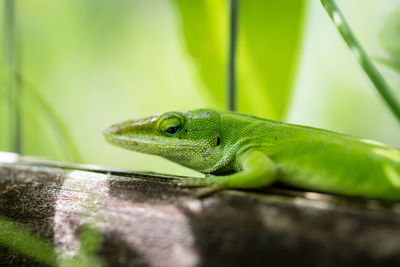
x: 361, y: 56
x: 233, y: 17
x: 10, y: 52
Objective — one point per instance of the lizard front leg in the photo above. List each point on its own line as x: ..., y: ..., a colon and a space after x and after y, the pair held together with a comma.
x: 258, y: 170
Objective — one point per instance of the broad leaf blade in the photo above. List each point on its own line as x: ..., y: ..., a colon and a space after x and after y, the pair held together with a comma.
x: 269, y: 38
x: 205, y: 28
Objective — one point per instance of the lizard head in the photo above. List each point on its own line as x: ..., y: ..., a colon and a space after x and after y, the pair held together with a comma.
x: 190, y: 138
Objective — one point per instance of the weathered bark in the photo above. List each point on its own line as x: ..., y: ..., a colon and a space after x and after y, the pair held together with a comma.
x: 147, y: 221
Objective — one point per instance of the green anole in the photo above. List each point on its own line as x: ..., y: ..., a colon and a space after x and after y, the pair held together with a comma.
x: 243, y: 151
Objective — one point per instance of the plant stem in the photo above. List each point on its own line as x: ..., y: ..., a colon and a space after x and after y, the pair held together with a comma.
x: 362, y: 57
x: 232, y: 55
x: 10, y: 52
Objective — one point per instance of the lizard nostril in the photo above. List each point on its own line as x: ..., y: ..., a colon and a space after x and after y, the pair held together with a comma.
x: 119, y: 130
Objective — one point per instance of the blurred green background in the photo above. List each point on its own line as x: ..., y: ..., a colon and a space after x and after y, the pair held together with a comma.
x: 79, y: 66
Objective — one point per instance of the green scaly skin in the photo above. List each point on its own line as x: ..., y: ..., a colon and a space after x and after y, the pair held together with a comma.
x: 243, y: 151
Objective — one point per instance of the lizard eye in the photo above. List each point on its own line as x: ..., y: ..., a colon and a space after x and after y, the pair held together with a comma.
x: 172, y: 130
x: 170, y: 125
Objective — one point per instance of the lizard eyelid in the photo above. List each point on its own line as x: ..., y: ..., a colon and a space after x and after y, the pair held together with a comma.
x: 170, y: 125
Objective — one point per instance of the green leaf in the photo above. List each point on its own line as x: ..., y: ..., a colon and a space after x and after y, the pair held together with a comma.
x: 205, y: 28
x: 389, y: 36
x: 269, y: 38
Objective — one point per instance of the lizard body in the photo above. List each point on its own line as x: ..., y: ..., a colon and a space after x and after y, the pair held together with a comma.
x: 244, y: 151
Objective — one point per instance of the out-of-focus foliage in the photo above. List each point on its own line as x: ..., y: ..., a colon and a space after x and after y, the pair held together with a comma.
x: 20, y: 240
x: 90, y: 243
x: 268, y: 42
x: 331, y: 90
x: 390, y: 39
x: 205, y: 27
x: 96, y: 63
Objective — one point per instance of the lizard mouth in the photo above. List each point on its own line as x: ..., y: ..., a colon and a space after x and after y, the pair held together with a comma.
x: 116, y: 135
x: 113, y: 133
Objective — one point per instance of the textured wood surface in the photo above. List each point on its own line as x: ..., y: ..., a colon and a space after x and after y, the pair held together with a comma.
x: 147, y: 221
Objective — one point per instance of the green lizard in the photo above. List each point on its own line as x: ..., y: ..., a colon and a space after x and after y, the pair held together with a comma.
x: 243, y: 151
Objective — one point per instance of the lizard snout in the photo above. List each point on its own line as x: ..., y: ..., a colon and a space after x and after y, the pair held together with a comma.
x: 112, y: 130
